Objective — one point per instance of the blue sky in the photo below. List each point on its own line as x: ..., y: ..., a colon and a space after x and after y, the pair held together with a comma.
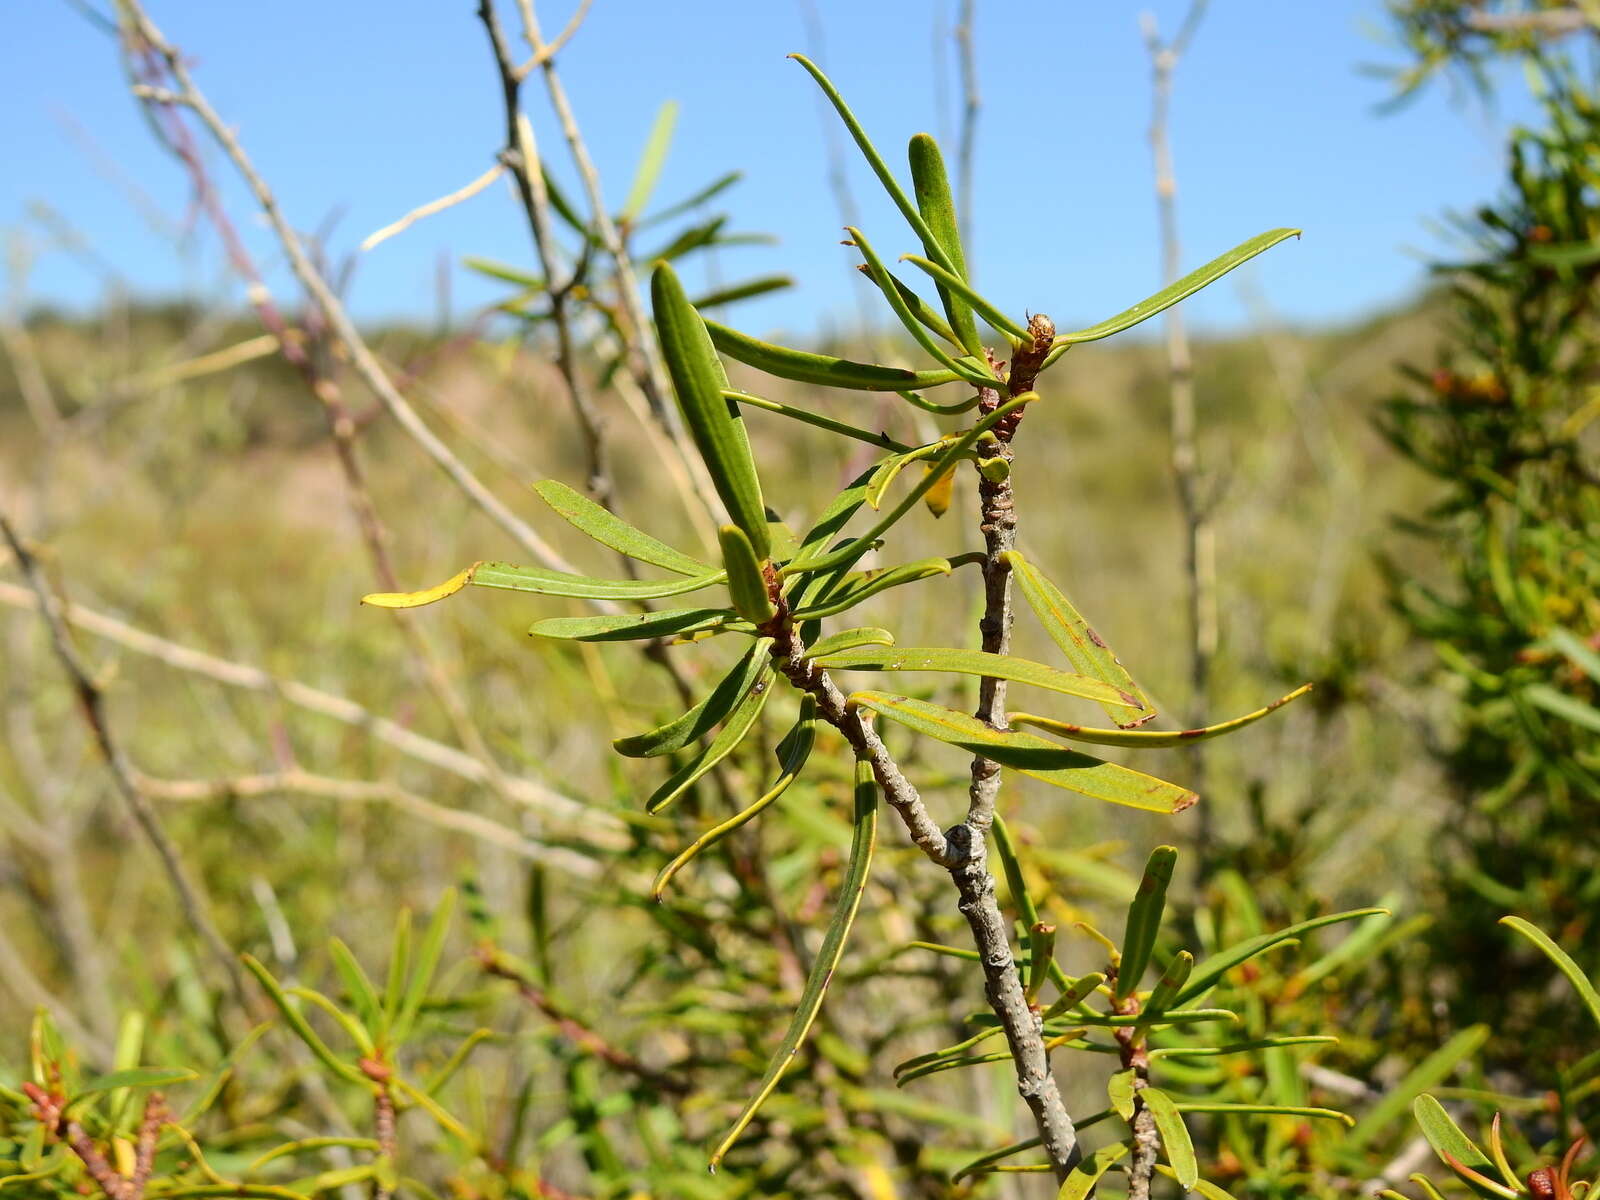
x: 357, y: 110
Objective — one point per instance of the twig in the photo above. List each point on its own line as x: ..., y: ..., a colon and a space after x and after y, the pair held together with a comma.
x: 143, y: 30
x: 1556, y: 22
x: 1135, y: 1057
x: 600, y: 828
x: 579, y: 1034
x: 365, y: 791
x: 545, y: 53
x: 196, y: 909
x: 433, y: 206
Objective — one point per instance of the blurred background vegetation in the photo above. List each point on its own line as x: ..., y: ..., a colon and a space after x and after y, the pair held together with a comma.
x: 1404, y: 511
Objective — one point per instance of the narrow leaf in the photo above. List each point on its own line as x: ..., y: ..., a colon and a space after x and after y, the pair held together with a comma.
x: 1575, y: 974
x: 1181, y: 289
x: 793, y: 752
x: 298, y: 1023
x: 1174, y: 1136
x: 651, y: 161
x: 828, y: 954
x: 931, y: 183
x: 859, y: 586
x: 747, y: 290
x: 1203, y: 1188
x: 817, y: 420
x: 704, y: 716
x: 1031, y: 755
x: 746, y: 584
x: 1148, y: 738
x: 1164, y: 995
x: 1144, y: 920
x: 824, y: 370
x: 850, y: 639
x: 605, y: 527
x: 427, y: 962
x: 728, y: 738
x: 875, y: 161
x: 1278, y: 1110
x: 132, y: 1077
x: 698, y: 380
x: 1084, y: 649
x: 1444, y: 1135
x: 1208, y: 973
x: 1081, y: 1183
x: 363, y: 996
x: 544, y: 583
x: 973, y: 370
x: 1120, y: 1091
x: 627, y: 627
x: 1270, y: 1043
x: 1430, y: 1072
x: 971, y: 662
x: 949, y: 283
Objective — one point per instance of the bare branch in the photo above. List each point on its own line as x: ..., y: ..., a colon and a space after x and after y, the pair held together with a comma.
x: 433, y: 206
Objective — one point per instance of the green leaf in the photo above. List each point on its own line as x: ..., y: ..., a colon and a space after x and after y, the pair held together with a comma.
x: 1006, y: 850
x: 713, y: 189
x: 1575, y: 974
x: 1182, y: 289
x: 1278, y: 1110
x: 733, y: 732
x: 544, y: 583
x: 747, y: 290
x: 824, y: 370
x: 714, y: 424
x: 1144, y: 920
x: 970, y: 662
x: 628, y: 627
x: 973, y: 370
x: 611, y: 530
x: 875, y: 161
x: 651, y: 161
x: 1031, y: 755
x: 1148, y: 738
x: 297, y: 1022
x: 358, y: 986
x: 859, y: 586
x: 746, y: 584
x: 817, y: 420
x: 886, y: 472
x: 1559, y: 704
x: 1269, y: 1043
x: 1120, y: 1091
x: 828, y: 956
x: 1208, y: 973
x: 1083, y: 647
x: 1041, y: 959
x: 1445, y: 1136
x: 1164, y: 995
x: 1206, y: 1190
x: 950, y: 283
x: 849, y: 639
x: 1174, y: 1136
x: 1081, y: 1183
x: 132, y: 1077
x: 931, y: 183
x: 1578, y: 650
x: 427, y: 962
x: 916, y: 304
x: 394, y: 986
x: 705, y: 716
x: 503, y: 272
x: 793, y: 751
x: 1430, y: 1072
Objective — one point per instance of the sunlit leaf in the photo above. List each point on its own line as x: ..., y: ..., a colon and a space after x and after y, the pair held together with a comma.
x: 793, y: 751
x: 1082, y: 645
x: 973, y: 370
x: 627, y: 627
x: 850, y: 639
x: 1165, y: 994
x: 1181, y: 289
x: 132, y: 1077
x: 860, y: 585
x: 815, y: 419
x: 746, y: 584
x: 297, y: 1022
x: 358, y: 985
x: 1080, y: 1184
x: 1430, y: 1072
x: 544, y: 583
x: 1210, y: 972
x: 611, y: 530
x: 828, y: 953
x: 1144, y: 920
x: 931, y: 184
x: 824, y: 370
x: 733, y: 732
x: 1203, y: 1188
x: 1031, y: 755
x: 698, y: 381
x: 1148, y: 738
x: 651, y: 161
x: 1445, y: 1136
x: 1174, y: 1136
x: 427, y: 962
x: 1575, y: 974
x: 970, y: 662
x: 949, y: 283
x: 704, y: 716
x: 747, y: 290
